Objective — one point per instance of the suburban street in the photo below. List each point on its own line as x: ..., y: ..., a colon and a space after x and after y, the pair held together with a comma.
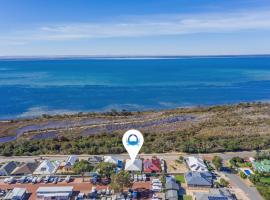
x: 236, y: 183
x: 250, y: 192
x: 167, y: 156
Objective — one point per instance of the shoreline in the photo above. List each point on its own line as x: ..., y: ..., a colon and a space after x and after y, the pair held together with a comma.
x: 102, y: 112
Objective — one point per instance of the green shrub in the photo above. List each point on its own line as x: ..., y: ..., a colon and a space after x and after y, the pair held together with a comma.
x: 243, y: 175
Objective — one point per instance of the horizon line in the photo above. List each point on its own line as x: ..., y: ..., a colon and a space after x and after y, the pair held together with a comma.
x: 124, y: 56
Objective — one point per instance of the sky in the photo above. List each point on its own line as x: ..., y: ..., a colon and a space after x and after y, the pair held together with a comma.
x: 134, y: 27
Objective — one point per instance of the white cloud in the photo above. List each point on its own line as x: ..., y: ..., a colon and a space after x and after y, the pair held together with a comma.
x: 138, y: 26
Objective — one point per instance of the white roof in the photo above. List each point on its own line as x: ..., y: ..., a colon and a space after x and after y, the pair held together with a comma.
x: 111, y: 159
x: 196, y: 164
x: 58, y: 194
x: 16, y: 192
x: 47, y: 167
x: 133, y: 166
x: 58, y: 189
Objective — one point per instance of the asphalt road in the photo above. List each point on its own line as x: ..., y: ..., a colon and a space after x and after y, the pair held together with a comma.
x: 251, y: 192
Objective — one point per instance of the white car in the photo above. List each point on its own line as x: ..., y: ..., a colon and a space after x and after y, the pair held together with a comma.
x: 11, y: 180
x: 156, y: 188
x: 68, y: 178
x: 39, y: 179
x: 34, y: 180
x: 156, y: 180
x: 155, y: 197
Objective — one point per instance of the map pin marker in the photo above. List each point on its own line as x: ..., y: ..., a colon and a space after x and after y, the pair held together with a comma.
x: 133, y: 141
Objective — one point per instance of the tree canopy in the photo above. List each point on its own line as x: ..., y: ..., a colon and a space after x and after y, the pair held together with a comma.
x: 120, y: 181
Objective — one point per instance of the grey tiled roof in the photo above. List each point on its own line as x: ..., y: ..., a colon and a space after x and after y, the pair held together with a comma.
x: 215, y: 194
x: 171, y: 195
x: 171, y: 184
x: 199, y: 178
x: 9, y: 167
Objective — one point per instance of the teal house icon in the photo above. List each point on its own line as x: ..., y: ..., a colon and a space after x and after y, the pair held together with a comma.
x: 133, y: 140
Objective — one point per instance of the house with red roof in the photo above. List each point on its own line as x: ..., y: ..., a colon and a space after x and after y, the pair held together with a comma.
x: 152, y: 165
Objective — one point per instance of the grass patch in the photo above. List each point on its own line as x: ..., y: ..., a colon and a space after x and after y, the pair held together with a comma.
x: 265, y: 180
x: 180, y: 178
x: 185, y: 197
x: 264, y: 191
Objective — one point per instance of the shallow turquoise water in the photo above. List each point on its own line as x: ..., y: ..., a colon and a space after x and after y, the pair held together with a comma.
x: 32, y: 87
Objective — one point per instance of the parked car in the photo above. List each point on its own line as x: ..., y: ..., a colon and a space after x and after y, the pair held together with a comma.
x: 11, y: 180
x: 39, y: 179
x: 108, y: 192
x: 22, y: 179
x: 155, y: 180
x: 105, y: 181
x: 80, y: 196
x: 51, y: 179
x: 144, y: 177
x: 135, y: 177
x: 68, y: 179
x: 155, y: 197
x: 29, y: 179
x: 46, y: 180
x: 93, y: 194
x: 6, y: 180
x: 55, y: 180
x: 140, y: 178
x: 2, y: 193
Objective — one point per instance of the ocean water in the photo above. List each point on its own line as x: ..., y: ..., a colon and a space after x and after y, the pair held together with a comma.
x: 31, y: 87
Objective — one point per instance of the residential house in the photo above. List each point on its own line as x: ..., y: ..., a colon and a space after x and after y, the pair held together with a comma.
x: 135, y: 166
x: 47, y: 168
x: 16, y: 194
x: 196, y: 164
x: 95, y: 160
x: 25, y: 169
x: 111, y: 159
x: 7, y: 168
x: 171, y: 184
x: 55, y: 193
x: 172, y: 188
x: 199, y: 179
x: 221, y: 193
x: 152, y: 165
x: 114, y: 160
x: 71, y: 160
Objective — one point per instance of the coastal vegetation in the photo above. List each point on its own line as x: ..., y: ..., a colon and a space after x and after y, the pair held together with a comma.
x: 194, y: 130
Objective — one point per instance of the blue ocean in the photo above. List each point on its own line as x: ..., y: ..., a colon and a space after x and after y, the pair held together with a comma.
x: 31, y: 87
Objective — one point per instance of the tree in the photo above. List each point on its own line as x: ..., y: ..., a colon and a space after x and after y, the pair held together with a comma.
x: 217, y: 161
x: 223, y: 182
x: 105, y: 169
x: 163, y: 179
x: 82, y: 166
x: 254, y: 178
x: 243, y: 175
x: 235, y: 161
x: 120, y: 181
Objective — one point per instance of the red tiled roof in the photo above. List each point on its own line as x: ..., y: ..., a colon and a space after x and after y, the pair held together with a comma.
x: 151, y: 165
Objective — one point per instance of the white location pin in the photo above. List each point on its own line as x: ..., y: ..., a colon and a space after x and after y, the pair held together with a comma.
x: 133, y: 141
